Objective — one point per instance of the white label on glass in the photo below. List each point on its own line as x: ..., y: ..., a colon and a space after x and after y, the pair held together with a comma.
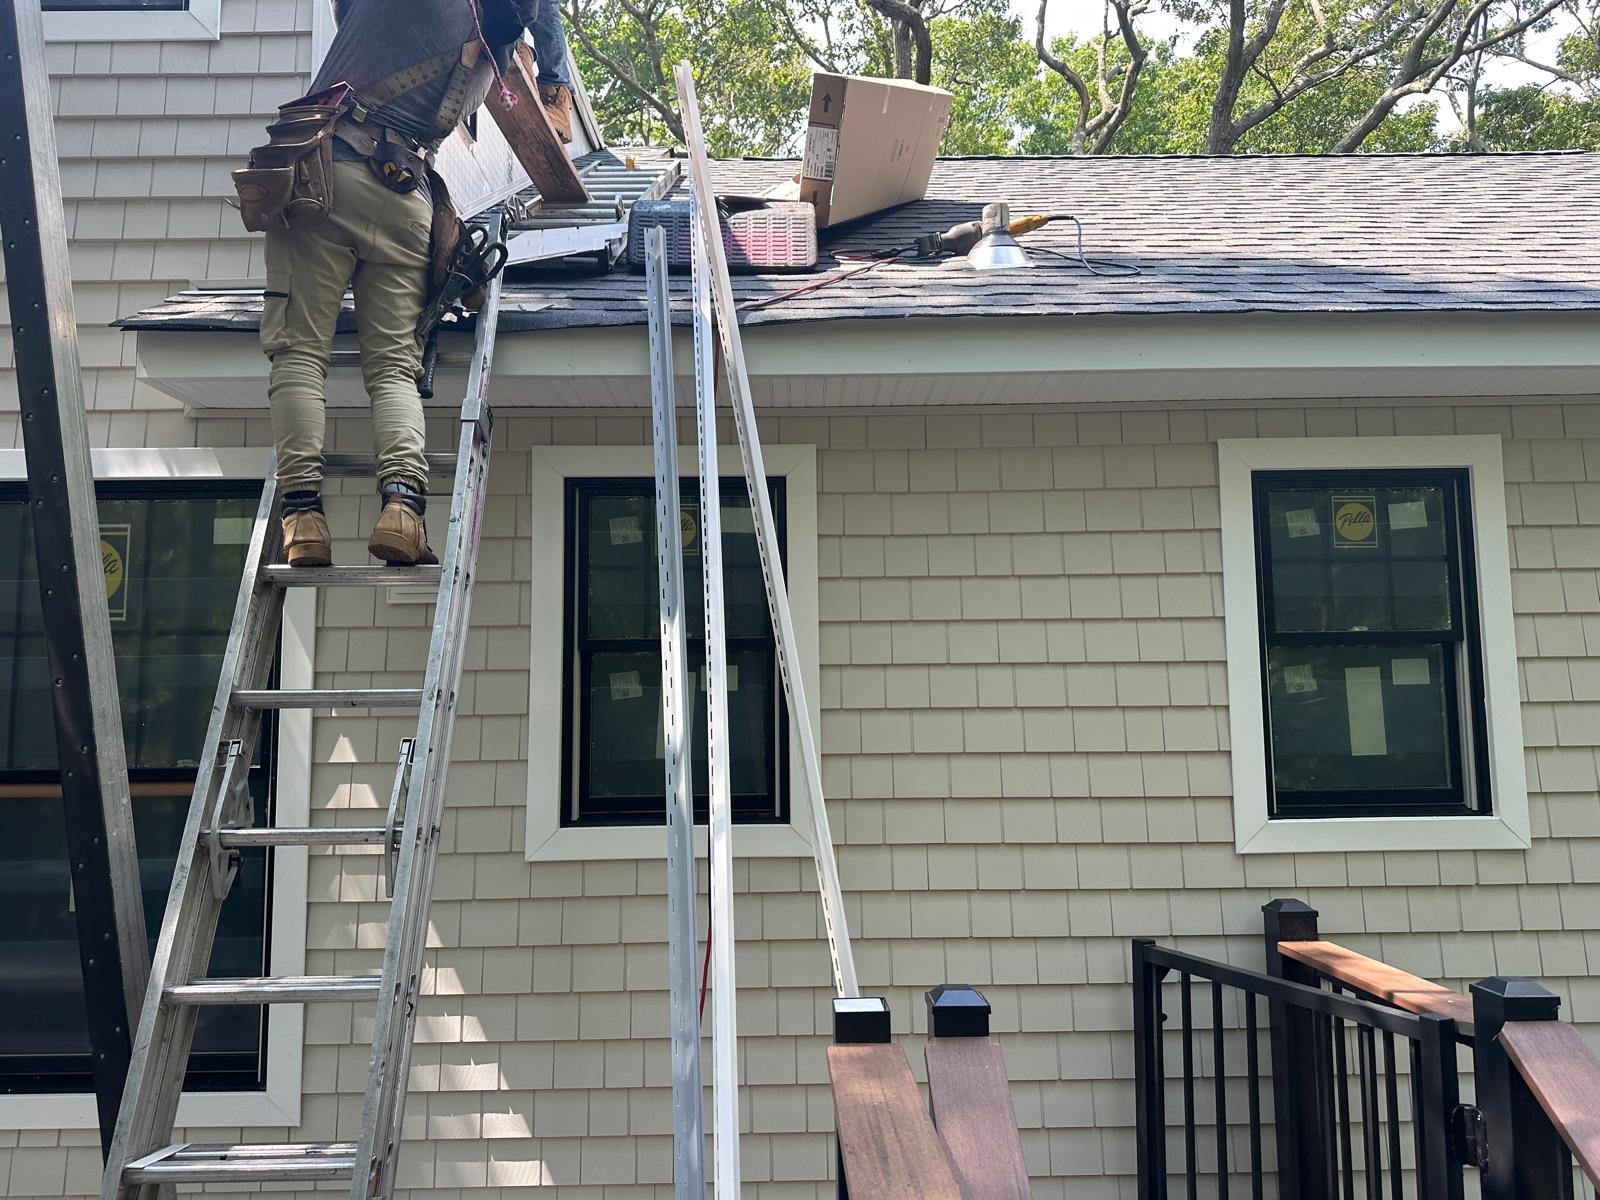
x: 1299, y: 678
x: 625, y: 531
x: 733, y: 678
x: 1408, y: 514
x: 1302, y: 522
x: 1363, y: 697
x: 736, y: 518
x: 625, y: 685
x: 232, y: 531
x: 1409, y: 671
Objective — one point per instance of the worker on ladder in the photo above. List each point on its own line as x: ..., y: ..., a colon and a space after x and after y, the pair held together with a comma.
x: 359, y: 205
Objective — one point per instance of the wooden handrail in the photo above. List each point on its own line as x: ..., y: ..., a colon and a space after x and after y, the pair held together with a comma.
x: 1564, y: 1074
x: 1383, y: 982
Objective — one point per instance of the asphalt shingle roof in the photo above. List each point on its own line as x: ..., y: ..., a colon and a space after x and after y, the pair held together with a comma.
x: 1360, y: 233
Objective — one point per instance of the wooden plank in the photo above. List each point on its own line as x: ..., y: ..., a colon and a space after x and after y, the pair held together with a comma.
x: 971, y: 1098
x: 887, y: 1142
x: 527, y: 127
x: 1383, y: 982
x: 1565, y: 1075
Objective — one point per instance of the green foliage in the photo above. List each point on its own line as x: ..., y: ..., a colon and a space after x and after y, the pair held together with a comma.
x: 985, y: 63
x: 751, y: 76
x: 753, y: 60
x: 1532, y: 118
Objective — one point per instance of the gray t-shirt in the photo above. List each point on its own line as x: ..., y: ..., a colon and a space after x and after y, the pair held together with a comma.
x: 377, y: 38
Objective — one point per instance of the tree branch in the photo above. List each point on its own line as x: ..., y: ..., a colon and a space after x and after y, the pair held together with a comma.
x: 911, y: 19
x: 1424, y: 77
x: 1072, y: 78
x: 619, y: 72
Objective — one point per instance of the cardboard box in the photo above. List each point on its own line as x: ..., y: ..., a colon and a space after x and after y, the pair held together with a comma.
x: 870, y: 144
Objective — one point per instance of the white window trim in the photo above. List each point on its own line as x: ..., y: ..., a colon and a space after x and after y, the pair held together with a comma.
x: 552, y: 466
x: 200, y: 22
x: 1507, y: 828
x: 279, y: 1104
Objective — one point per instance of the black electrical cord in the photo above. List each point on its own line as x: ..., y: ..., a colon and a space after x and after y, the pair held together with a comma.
x: 1090, y: 265
x: 872, y: 259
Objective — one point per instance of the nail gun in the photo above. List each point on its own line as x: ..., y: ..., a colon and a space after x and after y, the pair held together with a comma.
x: 474, y: 263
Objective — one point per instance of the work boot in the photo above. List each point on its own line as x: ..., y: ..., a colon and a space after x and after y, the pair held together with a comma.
x: 557, y: 101
x: 306, y: 541
x: 400, y: 538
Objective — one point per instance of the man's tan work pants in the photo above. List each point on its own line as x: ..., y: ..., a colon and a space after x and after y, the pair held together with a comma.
x: 377, y: 241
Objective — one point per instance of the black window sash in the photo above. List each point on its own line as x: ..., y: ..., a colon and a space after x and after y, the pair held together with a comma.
x: 578, y: 808
x: 1460, y: 643
x: 115, y: 5
x: 208, y: 1070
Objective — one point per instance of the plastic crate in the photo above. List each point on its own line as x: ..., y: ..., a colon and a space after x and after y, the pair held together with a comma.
x: 781, y: 235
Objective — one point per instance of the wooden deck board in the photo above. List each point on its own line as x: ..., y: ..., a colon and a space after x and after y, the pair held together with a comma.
x: 535, y: 143
x: 887, y: 1141
x: 1565, y: 1075
x: 972, y: 1109
x: 1389, y: 984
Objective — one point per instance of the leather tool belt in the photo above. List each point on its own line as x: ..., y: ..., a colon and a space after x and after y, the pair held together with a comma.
x: 400, y: 163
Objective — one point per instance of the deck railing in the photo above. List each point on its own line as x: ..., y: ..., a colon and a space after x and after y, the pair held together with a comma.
x: 1362, y: 1087
x: 1536, y: 1082
x: 1334, y: 1129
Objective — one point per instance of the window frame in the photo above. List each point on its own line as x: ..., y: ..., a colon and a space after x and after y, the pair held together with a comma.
x: 1472, y: 793
x: 548, y: 840
x: 279, y: 1104
x: 1486, y: 567
x: 197, y: 21
x: 577, y: 716
x: 210, y: 1066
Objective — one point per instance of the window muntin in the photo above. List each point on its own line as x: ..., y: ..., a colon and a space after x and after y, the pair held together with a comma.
x: 1372, y: 674
x: 173, y: 554
x: 612, y: 764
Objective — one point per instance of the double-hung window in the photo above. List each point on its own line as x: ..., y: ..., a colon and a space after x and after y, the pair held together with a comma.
x: 1372, y: 676
x: 172, y: 554
x: 1372, y: 658
x: 135, y: 20
x: 613, y: 749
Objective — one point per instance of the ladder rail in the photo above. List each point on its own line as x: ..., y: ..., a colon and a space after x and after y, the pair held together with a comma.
x: 719, y: 859
x: 149, y: 1106
x: 677, y: 708
x: 829, y: 888
x: 412, y: 880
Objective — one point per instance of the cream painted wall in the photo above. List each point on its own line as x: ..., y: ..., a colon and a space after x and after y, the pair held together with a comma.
x: 1024, y: 724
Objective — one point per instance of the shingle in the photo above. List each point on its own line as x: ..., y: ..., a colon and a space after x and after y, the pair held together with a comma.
x: 1356, y: 233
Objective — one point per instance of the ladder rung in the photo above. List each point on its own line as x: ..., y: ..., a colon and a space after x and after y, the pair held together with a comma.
x: 347, y: 466
x: 307, y: 1163
x: 282, y: 575
x: 280, y: 989
x: 330, y: 698
x: 323, y: 835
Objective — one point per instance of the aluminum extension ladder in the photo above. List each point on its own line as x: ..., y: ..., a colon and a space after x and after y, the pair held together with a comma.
x: 144, y: 1159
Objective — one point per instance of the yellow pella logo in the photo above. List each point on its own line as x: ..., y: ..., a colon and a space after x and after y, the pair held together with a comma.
x: 111, y: 563
x: 1355, y: 521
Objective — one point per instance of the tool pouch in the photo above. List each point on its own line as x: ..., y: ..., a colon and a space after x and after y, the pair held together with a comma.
x: 448, y: 231
x: 289, y: 181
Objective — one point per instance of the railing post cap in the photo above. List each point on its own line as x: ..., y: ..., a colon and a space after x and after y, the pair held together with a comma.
x: 957, y: 1010
x: 1288, y: 920
x: 1516, y: 998
x: 860, y: 1019
x: 1286, y: 905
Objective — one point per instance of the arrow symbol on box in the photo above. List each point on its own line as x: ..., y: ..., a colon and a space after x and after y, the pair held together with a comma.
x: 827, y: 101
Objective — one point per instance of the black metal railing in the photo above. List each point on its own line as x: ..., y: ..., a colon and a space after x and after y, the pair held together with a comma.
x: 1351, y: 1083
x: 1510, y: 1138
